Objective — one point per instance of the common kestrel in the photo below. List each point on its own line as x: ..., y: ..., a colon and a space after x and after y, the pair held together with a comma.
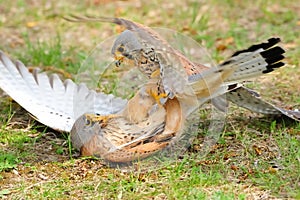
x: 143, y: 46
x: 121, y: 130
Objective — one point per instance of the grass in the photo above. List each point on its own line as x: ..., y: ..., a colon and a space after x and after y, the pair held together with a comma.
x: 256, y: 157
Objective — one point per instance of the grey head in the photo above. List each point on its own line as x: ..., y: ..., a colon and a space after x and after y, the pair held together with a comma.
x: 126, y: 44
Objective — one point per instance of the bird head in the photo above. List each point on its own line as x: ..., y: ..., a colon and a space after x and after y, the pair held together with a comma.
x: 125, y: 46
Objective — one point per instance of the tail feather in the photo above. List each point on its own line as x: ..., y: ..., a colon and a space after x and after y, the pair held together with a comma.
x: 256, y: 60
x: 265, y: 45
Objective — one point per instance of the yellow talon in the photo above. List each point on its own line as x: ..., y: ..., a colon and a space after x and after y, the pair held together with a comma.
x: 157, y: 96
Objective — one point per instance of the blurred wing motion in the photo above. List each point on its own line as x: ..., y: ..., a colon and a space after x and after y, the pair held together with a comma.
x: 51, y: 101
x: 147, y: 36
x: 142, y: 31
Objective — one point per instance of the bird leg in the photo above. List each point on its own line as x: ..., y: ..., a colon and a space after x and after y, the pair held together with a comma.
x: 174, y: 120
x: 158, y: 96
x: 157, y: 92
x: 139, y: 106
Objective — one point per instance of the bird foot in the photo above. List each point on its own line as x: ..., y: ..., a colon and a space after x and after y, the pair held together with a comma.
x: 159, y: 96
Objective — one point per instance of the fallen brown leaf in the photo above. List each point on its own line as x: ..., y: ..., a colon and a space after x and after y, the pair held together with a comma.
x: 31, y: 24
x: 223, y: 43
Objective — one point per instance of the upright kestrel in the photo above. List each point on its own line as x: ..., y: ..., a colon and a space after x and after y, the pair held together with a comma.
x: 148, y: 51
x: 143, y: 47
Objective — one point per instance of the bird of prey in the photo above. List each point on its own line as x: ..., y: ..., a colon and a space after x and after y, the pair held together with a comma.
x: 123, y: 130
x: 146, y: 49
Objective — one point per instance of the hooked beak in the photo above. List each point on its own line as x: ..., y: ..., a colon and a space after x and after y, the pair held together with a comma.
x: 119, y: 58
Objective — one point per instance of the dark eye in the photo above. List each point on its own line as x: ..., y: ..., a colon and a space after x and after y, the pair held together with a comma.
x: 121, y: 49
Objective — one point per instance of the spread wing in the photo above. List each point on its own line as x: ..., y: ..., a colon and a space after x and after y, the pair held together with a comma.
x: 251, y: 100
x: 52, y: 102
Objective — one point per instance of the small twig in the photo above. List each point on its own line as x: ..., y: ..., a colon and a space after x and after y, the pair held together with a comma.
x: 38, y: 183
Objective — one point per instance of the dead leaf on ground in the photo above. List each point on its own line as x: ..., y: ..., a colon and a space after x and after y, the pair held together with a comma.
x: 31, y: 24
x: 223, y: 43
